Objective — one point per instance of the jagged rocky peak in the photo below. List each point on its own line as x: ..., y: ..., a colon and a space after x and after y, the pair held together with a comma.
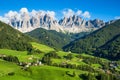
x: 41, y: 20
x: 76, y: 24
x: 79, y: 22
x: 29, y: 22
x: 70, y: 21
x: 89, y: 24
x: 98, y: 23
x: 20, y: 21
x: 48, y: 20
x: 26, y: 22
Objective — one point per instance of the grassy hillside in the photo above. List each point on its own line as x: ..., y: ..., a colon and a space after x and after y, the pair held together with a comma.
x: 23, y: 55
x: 18, y: 74
x: 64, y: 65
x: 13, y: 39
x: 42, y: 47
x: 54, y: 73
x: 51, y: 38
x: 95, y: 40
x: 36, y: 72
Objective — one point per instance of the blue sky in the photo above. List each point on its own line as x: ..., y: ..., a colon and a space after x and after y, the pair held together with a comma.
x: 102, y: 9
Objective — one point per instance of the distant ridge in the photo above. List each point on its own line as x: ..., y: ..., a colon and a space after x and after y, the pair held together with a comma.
x: 104, y: 38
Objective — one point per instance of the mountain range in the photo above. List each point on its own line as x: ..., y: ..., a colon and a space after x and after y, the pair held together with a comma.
x: 73, y: 24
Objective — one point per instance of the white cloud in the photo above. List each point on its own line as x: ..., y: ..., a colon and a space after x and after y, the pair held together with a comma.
x: 70, y: 12
x: 18, y: 15
x: 42, y: 13
x: 86, y: 14
x: 51, y: 14
x: 79, y: 12
x: 3, y: 19
x: 23, y: 10
x: 11, y: 14
x: 117, y: 17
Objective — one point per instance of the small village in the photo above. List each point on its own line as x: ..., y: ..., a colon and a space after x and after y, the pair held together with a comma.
x: 36, y: 62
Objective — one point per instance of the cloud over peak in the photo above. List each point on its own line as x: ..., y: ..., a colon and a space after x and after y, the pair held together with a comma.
x: 11, y: 14
x: 18, y: 15
x: 70, y: 12
x: 86, y: 14
x: 24, y: 10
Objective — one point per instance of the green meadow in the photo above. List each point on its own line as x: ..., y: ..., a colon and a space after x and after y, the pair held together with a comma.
x: 42, y: 72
